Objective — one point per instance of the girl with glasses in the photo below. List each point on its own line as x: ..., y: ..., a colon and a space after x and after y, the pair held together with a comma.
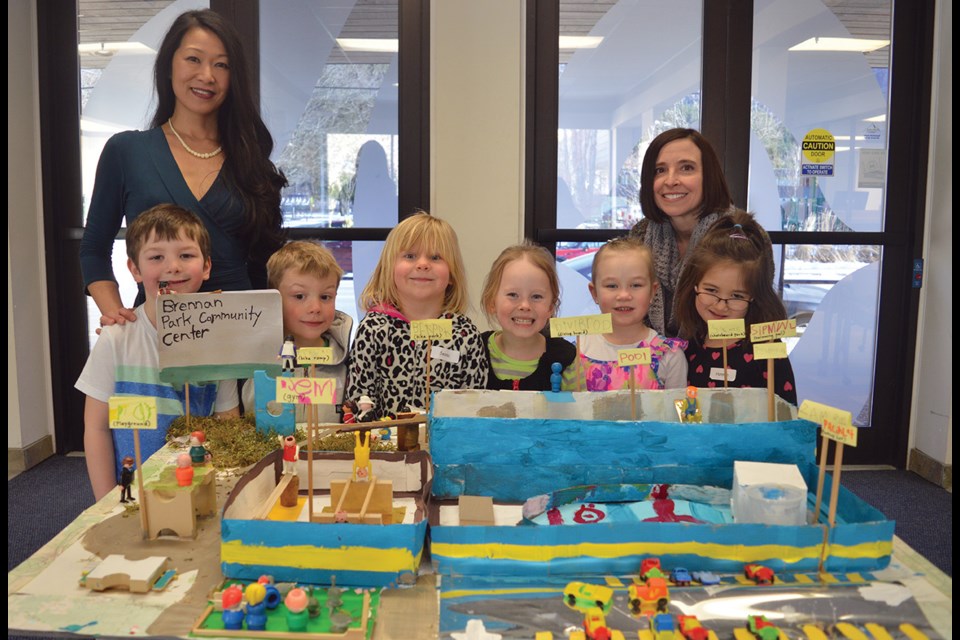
x: 729, y: 275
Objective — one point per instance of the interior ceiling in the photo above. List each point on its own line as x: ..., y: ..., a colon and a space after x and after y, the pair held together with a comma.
x: 118, y: 20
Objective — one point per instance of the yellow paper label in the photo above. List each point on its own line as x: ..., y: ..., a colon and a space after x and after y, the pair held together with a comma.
x: 315, y: 355
x: 581, y: 325
x: 439, y: 329
x: 631, y: 357
x: 770, y: 351
x: 843, y: 433
x: 133, y: 412
x: 306, y: 390
x: 765, y: 331
x: 726, y: 329
x: 816, y: 412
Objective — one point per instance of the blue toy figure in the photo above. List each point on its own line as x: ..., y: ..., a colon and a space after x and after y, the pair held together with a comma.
x: 688, y: 409
x: 556, y: 378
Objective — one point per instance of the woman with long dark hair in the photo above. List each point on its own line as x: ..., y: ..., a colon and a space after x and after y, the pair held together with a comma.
x: 208, y: 151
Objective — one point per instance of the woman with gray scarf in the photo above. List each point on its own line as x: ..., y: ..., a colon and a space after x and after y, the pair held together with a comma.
x: 682, y: 193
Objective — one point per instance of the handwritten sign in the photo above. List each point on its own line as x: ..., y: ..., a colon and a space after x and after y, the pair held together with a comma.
x: 844, y: 433
x: 631, y: 357
x: 816, y: 412
x: 726, y: 329
x: 315, y: 355
x: 306, y: 390
x: 581, y: 325
x: 218, y: 336
x: 439, y: 329
x: 763, y: 331
x: 770, y: 351
x: 133, y: 412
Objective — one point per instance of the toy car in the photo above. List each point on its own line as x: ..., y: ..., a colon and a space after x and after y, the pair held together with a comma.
x: 762, y: 628
x: 706, y: 577
x: 650, y: 568
x: 650, y: 597
x: 662, y: 626
x: 595, y: 628
x: 759, y: 573
x: 691, y: 629
x: 582, y: 596
x: 680, y: 577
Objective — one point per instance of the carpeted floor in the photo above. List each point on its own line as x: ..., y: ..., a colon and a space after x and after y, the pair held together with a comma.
x: 45, y: 499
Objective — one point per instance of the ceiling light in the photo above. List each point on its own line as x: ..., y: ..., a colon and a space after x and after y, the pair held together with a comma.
x: 109, y: 48
x: 839, y: 44
x: 580, y: 42
x: 382, y: 45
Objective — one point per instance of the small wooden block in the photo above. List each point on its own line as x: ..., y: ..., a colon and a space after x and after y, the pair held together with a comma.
x: 138, y: 576
x: 476, y: 511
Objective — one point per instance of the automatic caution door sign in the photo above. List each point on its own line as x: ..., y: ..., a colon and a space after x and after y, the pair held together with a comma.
x: 818, y: 151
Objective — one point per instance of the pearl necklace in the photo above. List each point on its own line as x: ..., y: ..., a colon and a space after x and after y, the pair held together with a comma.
x: 202, y: 156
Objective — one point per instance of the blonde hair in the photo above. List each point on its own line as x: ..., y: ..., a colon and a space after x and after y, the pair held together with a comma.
x: 625, y: 243
x: 167, y: 222
x: 537, y: 256
x: 429, y: 234
x: 306, y: 256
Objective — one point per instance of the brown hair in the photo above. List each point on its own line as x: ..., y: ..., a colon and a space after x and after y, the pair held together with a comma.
x: 168, y: 222
x: 306, y: 256
x: 430, y: 234
x: 535, y: 255
x: 754, y: 257
x: 716, y: 194
x: 624, y: 243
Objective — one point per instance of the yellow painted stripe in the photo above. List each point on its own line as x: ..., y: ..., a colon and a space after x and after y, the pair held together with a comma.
x: 742, y: 634
x: 613, y: 581
x: 287, y: 514
x: 912, y: 632
x: 465, y: 593
x: 783, y: 636
x: 712, y: 635
x: 878, y: 632
x: 828, y: 578
x: 744, y: 580
x: 814, y: 632
x: 850, y: 632
x: 855, y: 577
x: 739, y: 553
x: 306, y: 557
x: 803, y: 578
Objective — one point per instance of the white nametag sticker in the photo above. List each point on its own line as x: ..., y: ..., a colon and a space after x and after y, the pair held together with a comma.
x: 447, y: 355
x: 716, y: 373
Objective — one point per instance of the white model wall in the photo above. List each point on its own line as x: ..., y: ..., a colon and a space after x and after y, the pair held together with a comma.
x: 932, y: 408
x: 29, y: 404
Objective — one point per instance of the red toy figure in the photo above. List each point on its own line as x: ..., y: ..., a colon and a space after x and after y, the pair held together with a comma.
x: 184, y: 471
x: 291, y: 453
x: 349, y: 412
x: 126, y: 479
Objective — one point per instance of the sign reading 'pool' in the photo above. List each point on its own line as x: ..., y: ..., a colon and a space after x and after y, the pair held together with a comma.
x: 218, y: 336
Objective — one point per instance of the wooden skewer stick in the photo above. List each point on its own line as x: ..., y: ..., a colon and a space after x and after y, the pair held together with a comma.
x: 771, y: 414
x: 579, y: 367
x: 835, y: 486
x: 144, y: 516
x: 633, y: 392
x: 824, y: 446
x: 429, y: 347
x: 724, y: 363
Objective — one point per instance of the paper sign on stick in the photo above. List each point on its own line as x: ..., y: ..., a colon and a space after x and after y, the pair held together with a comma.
x: 763, y: 331
x: 218, y: 336
x: 315, y: 355
x: 306, y: 390
x: 439, y: 329
x: 631, y: 357
x: 726, y: 329
x: 581, y: 325
x: 770, y: 351
x: 133, y: 412
x: 846, y: 434
x: 816, y: 412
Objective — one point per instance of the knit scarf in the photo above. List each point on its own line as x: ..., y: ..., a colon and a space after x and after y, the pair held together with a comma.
x: 666, y: 258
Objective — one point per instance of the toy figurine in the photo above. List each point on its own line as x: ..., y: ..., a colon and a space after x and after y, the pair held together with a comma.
x: 184, y: 471
x: 368, y: 412
x: 126, y: 480
x: 361, y: 457
x: 198, y: 452
x: 688, y: 409
x: 385, y: 434
x: 291, y: 453
x: 313, y: 605
x: 233, y: 613
x: 349, y: 412
x: 556, y: 378
x: 288, y: 354
x: 297, y: 614
x: 256, y: 607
